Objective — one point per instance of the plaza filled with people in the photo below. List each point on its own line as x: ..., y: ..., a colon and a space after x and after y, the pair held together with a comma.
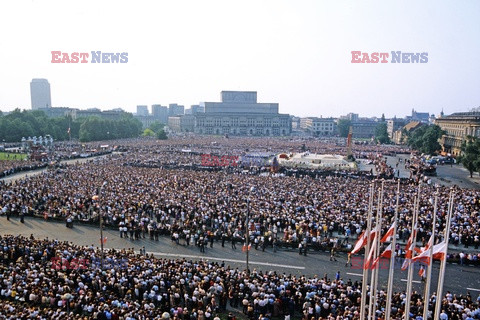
x: 143, y: 191
x: 34, y: 286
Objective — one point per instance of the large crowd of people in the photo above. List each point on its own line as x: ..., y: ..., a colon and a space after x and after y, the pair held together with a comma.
x: 147, y: 190
x: 33, y: 287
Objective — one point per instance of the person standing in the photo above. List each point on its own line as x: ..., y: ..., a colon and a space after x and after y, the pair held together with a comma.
x: 349, y: 260
x: 332, y: 254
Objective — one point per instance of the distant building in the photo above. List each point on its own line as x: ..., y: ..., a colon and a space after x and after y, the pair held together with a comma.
x: 350, y: 116
x: 160, y: 113
x: 319, y: 126
x: 419, y: 116
x: 194, y: 109
x: 394, y: 125
x: 400, y: 135
x: 142, y: 111
x: 175, y: 110
x: 238, y: 113
x: 458, y: 126
x: 363, y: 128
x: 40, y: 94
x: 183, y: 123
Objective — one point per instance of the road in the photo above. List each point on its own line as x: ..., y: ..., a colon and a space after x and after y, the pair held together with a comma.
x: 458, y: 280
x: 447, y: 175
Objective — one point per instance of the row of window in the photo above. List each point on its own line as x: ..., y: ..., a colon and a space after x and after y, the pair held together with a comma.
x: 242, y: 122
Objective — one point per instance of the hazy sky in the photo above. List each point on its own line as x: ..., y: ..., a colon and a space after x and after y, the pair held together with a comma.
x: 296, y: 53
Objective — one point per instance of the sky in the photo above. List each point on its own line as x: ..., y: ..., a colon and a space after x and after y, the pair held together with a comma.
x: 295, y: 53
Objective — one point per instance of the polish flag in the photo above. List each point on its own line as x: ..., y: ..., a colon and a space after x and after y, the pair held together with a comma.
x: 421, y: 272
x: 104, y: 240
x: 439, y: 252
x: 389, y: 234
x: 370, y: 255
x: 362, y: 240
x: 387, y: 253
x: 409, y: 246
x: 405, y: 264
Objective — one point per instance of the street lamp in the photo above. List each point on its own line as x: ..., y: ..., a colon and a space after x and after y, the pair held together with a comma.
x: 247, y: 233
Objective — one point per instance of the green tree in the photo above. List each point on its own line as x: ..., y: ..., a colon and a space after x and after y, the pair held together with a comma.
x: 156, y: 126
x: 343, y: 126
x: 425, y: 139
x: 148, y: 133
x: 470, y: 157
x: 161, y: 135
x: 381, y: 134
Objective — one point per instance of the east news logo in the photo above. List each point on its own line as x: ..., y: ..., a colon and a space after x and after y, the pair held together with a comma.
x: 82, y: 57
x: 396, y: 57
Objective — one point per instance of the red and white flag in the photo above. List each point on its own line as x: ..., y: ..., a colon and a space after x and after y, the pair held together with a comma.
x: 389, y: 234
x: 422, y: 272
x: 104, y: 240
x: 409, y: 246
x: 405, y: 264
x: 370, y: 255
x: 439, y: 251
x: 387, y: 253
x: 362, y: 240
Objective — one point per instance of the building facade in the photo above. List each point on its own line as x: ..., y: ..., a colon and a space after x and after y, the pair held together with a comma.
x: 458, y: 126
x: 364, y: 129
x: 319, y: 126
x: 40, y: 94
x: 394, y: 125
x: 238, y: 113
x: 185, y: 123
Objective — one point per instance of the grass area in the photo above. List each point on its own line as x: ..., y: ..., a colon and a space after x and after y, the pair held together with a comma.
x: 12, y: 156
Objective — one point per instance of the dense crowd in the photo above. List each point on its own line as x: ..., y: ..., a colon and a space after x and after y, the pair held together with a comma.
x: 197, y: 204
x: 32, y: 287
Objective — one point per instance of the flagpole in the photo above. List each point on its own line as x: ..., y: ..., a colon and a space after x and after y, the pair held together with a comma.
x: 367, y: 250
x: 392, y: 259
x: 441, y: 276
x: 373, y: 249
x: 412, y: 250
x: 430, y: 257
x: 377, y: 248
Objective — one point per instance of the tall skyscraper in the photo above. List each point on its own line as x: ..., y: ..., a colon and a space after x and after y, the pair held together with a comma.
x: 40, y: 94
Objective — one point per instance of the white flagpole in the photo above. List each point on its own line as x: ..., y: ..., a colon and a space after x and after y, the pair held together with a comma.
x: 377, y: 249
x: 429, y: 269
x: 367, y: 250
x: 372, y: 280
x: 392, y: 259
x: 410, y: 266
x: 441, y: 276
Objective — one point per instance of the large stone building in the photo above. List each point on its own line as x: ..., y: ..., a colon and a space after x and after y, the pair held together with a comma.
x: 239, y: 113
x: 458, y: 126
x: 364, y: 128
x: 319, y: 126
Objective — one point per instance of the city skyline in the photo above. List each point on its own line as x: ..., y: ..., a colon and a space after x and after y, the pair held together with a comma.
x: 296, y: 54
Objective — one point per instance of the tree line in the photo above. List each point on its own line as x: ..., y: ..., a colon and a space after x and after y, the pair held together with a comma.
x: 29, y: 123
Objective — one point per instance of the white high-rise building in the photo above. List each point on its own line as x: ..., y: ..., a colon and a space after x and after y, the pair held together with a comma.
x: 40, y: 94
